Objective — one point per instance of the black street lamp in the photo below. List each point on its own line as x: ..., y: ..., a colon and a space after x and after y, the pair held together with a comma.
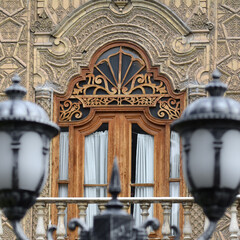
x: 210, y: 134
x: 25, y: 134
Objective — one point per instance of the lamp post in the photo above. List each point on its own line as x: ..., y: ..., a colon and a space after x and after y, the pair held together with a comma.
x: 25, y: 134
x: 210, y: 134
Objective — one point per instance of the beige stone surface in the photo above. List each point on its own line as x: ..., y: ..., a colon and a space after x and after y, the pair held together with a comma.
x: 47, y: 42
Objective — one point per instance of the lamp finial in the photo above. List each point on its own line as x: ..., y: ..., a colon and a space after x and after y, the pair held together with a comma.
x: 216, y: 88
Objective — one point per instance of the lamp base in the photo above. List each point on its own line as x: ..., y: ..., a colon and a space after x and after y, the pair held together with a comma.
x: 214, y: 201
x: 15, y: 203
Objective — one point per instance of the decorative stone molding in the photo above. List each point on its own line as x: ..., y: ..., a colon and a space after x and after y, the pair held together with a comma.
x: 195, y: 92
x: 43, y: 97
x: 58, y: 10
x: 13, y: 40
x: 199, y: 21
x: 40, y: 6
x: 228, y: 44
x: 11, y: 7
x: 42, y: 24
x: 121, y: 6
x: 170, y: 44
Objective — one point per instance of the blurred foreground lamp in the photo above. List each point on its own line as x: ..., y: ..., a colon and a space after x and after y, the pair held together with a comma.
x: 25, y: 134
x: 210, y: 134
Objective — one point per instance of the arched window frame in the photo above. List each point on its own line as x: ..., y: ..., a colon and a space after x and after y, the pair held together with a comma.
x: 127, y: 114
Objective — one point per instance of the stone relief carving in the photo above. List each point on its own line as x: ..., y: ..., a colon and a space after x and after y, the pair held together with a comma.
x: 186, y: 59
x: 43, y: 23
x: 164, y: 41
x: 120, y: 6
x: 59, y: 9
x: 197, y: 221
x: 199, y: 20
x: 228, y: 43
x: 11, y: 7
x: 13, y: 40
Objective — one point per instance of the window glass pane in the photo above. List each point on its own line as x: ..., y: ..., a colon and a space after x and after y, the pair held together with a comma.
x: 174, y: 173
x: 126, y: 61
x: 134, y: 53
x: 142, y: 156
x: 105, y: 69
x: 107, y: 53
x: 175, y: 155
x: 119, y: 66
x: 63, y: 190
x: 63, y: 155
x: 133, y: 70
x: 114, y: 60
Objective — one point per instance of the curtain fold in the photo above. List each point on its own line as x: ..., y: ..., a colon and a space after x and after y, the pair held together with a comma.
x: 175, y: 173
x: 63, y: 155
x: 63, y: 167
x: 174, y: 155
x: 144, y: 172
x: 95, y: 169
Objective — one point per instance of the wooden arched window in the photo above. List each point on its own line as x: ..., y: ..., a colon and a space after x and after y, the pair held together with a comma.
x: 121, y: 93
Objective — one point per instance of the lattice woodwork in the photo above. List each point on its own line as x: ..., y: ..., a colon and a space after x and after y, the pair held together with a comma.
x: 120, y: 77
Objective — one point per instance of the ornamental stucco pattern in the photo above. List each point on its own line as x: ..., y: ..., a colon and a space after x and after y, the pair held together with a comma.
x: 228, y: 44
x: 47, y: 42
x: 14, y: 20
x: 14, y: 58
x: 180, y: 54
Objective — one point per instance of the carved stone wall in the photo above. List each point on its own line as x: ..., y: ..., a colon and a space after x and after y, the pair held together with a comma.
x: 14, y: 41
x: 59, y: 9
x: 228, y: 43
x: 48, y: 42
x: 14, y: 58
x: 181, y: 53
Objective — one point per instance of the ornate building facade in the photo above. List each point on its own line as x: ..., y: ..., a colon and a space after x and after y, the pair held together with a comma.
x: 117, y: 62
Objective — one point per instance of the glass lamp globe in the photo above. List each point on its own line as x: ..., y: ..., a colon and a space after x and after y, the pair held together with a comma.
x: 210, y: 134
x: 25, y: 134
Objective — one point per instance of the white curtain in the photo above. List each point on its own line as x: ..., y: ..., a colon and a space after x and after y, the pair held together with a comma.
x: 174, y: 173
x: 144, y: 172
x: 95, y: 169
x: 175, y: 155
x: 63, y: 167
x: 63, y: 155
